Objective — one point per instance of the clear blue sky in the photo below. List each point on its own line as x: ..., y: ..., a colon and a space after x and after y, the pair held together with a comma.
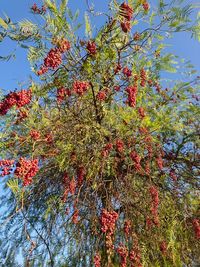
x: 18, y: 70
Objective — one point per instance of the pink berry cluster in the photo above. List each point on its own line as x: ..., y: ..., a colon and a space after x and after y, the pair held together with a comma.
x: 127, y: 72
x: 91, y: 47
x: 126, y: 13
x: 53, y: 59
x: 143, y: 77
x: 80, y: 175
x: 146, y: 6
x: 54, y: 56
x: 135, y: 257
x: 108, y: 221
x: 159, y: 162
x: 80, y: 87
x: 119, y: 145
x: 105, y: 152
x: 102, y: 95
x: 132, y: 93
x: 63, y: 45
x: 141, y: 112
x: 163, y: 247
x: 62, y: 93
x: 196, y: 226
x: 37, y: 10
x: 26, y: 170
x: 35, y: 135
x: 97, y: 260
x: 155, y: 203
x: 18, y: 99
x: 5, y: 166
x: 123, y: 252
x: 127, y: 227
x: 136, y: 159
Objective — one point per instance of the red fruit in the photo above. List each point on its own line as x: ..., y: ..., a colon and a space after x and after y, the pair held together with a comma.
x: 80, y: 87
x: 91, y: 47
x: 26, y: 170
x: 53, y: 59
x: 146, y: 6
x: 63, y: 45
x: 97, y: 260
x: 35, y: 135
x: 126, y: 26
x: 101, y: 96
x: 126, y: 11
x: 127, y: 72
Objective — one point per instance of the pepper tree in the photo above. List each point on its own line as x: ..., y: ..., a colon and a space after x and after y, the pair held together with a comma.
x: 99, y: 154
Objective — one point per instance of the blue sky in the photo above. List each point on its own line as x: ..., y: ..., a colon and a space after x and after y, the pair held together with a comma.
x: 15, y: 72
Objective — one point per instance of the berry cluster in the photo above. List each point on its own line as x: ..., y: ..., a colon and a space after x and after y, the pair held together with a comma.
x: 101, y: 96
x: 141, y: 112
x: 127, y: 13
x: 127, y: 227
x: 72, y: 186
x: 136, y: 159
x: 123, y: 252
x: 135, y: 257
x: 108, y: 221
x: 107, y: 150
x: 53, y: 58
x: 132, y: 92
x: 91, y: 47
x: 35, y: 135
x: 196, y: 226
x: 80, y: 175
x: 127, y: 72
x: 143, y: 77
x: 80, y: 87
x: 163, y: 247
x: 97, y: 260
x: 154, y: 205
x: 63, y: 45
x: 26, y: 170
x: 146, y: 6
x: 18, y: 99
x: 5, y: 166
x: 37, y: 10
x: 159, y: 162
x: 62, y: 93
x: 119, y: 145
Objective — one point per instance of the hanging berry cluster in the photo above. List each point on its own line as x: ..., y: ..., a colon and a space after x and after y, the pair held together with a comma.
x: 80, y: 87
x: 132, y: 93
x: 196, y: 226
x: 154, y: 205
x: 26, y: 170
x: 54, y: 56
x: 18, y: 99
x: 91, y: 47
x: 108, y: 221
x: 126, y: 13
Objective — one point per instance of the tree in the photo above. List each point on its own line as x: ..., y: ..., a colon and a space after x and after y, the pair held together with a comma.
x: 100, y: 154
